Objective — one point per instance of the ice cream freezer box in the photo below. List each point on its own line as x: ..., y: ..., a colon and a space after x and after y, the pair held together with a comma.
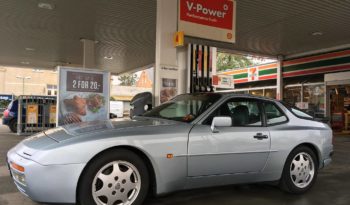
x: 36, y: 113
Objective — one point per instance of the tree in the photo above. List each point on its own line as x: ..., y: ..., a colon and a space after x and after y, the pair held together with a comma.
x: 229, y: 61
x: 127, y: 79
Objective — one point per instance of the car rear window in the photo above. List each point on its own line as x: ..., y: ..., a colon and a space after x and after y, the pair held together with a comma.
x: 296, y: 111
x: 300, y: 113
x: 273, y: 114
x: 10, y: 105
x: 14, y: 106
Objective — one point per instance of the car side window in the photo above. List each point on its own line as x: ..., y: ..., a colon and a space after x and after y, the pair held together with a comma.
x: 243, y: 112
x: 273, y: 114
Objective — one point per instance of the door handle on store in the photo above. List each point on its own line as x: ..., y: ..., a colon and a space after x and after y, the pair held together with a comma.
x: 260, y: 136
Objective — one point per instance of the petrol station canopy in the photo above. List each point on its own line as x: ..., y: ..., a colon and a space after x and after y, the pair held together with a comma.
x: 47, y: 33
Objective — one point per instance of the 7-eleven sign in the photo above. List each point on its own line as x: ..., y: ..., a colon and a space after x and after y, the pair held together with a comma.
x: 253, y: 74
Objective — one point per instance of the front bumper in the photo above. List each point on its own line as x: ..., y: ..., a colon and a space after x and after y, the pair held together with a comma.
x: 49, y: 184
x: 327, y: 156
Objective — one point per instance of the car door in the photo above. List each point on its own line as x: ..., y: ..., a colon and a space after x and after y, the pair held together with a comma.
x: 241, y: 148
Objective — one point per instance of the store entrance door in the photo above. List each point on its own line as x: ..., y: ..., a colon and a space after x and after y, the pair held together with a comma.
x: 338, y: 100
x: 339, y: 96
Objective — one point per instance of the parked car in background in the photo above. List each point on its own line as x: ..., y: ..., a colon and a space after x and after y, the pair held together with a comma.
x: 192, y: 141
x: 116, y: 109
x: 5, y: 100
x: 10, y: 116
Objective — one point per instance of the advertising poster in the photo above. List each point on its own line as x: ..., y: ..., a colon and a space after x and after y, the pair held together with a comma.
x: 168, y: 89
x: 32, y: 114
x: 223, y: 81
x: 83, y: 95
x: 213, y: 20
x: 52, y: 114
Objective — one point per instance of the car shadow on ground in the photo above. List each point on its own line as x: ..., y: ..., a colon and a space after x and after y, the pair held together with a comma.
x: 331, y: 187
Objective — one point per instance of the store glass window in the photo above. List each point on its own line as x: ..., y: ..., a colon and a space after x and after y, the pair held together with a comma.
x: 257, y: 92
x: 313, y: 98
x: 242, y: 92
x: 270, y: 93
x: 292, y: 95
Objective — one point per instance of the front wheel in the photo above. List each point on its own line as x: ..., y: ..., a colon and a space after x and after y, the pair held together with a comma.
x: 300, y: 171
x: 116, y: 177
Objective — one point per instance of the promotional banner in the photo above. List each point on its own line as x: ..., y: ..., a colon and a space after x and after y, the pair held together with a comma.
x: 168, y: 89
x: 209, y: 19
x: 83, y: 95
x: 223, y: 81
x: 52, y: 114
x: 32, y: 114
x: 169, y: 83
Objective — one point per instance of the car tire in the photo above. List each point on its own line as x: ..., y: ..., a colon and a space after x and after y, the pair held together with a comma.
x: 102, y: 180
x: 13, y: 125
x: 300, y: 171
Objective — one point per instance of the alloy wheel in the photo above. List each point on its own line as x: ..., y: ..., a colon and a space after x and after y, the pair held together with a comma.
x: 118, y: 182
x: 302, y: 170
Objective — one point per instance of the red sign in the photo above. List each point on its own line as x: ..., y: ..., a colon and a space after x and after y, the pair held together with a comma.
x: 215, y: 13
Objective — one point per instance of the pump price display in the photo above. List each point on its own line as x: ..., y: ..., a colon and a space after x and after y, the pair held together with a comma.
x: 84, y: 82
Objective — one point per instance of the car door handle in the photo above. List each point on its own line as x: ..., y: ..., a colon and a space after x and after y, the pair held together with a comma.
x: 260, y: 136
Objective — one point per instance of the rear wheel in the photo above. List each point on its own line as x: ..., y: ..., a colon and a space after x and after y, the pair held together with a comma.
x: 13, y: 125
x: 300, y: 171
x: 116, y: 177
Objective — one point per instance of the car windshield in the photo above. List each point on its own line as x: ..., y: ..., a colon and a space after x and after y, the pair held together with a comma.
x: 184, y: 108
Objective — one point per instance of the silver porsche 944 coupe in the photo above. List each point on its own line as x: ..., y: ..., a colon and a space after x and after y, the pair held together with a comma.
x: 192, y: 141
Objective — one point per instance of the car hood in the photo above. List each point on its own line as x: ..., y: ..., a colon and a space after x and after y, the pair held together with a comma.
x: 88, y: 128
x: 40, y: 141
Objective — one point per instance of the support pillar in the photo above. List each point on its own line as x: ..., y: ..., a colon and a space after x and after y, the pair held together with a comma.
x: 279, y: 93
x: 170, y: 63
x: 88, y: 53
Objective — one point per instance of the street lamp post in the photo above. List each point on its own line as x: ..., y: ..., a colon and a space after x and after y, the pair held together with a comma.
x: 23, y: 78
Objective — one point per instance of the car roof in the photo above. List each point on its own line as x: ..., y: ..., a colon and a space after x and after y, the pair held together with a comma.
x: 247, y: 95
x: 232, y: 94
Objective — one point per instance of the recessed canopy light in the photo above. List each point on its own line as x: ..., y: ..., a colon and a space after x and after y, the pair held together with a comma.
x: 48, y: 6
x: 317, y: 33
x: 108, y: 57
x: 30, y: 49
x: 25, y: 62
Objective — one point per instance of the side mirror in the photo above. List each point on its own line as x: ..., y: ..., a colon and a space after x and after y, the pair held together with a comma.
x: 220, y: 122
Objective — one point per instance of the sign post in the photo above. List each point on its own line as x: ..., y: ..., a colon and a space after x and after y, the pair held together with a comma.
x: 83, y: 95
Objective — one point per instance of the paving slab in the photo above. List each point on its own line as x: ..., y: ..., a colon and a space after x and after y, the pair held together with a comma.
x: 331, y: 187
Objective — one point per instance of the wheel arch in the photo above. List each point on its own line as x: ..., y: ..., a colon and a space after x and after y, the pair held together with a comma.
x: 139, y: 152
x: 314, y: 148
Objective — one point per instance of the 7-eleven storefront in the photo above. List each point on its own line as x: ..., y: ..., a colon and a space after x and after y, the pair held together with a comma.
x: 318, y: 84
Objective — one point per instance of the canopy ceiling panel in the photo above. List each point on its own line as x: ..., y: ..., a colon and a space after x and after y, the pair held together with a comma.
x: 126, y: 30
